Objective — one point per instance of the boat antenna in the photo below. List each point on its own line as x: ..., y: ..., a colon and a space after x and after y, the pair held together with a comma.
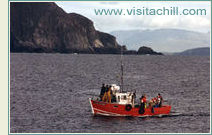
x: 122, y: 68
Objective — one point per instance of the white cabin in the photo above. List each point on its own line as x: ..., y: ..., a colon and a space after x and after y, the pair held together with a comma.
x: 125, y: 98
x: 122, y: 97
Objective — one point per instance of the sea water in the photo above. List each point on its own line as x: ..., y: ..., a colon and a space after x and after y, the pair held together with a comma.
x: 49, y: 92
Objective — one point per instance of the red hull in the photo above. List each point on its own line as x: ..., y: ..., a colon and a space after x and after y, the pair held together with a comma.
x: 107, y: 109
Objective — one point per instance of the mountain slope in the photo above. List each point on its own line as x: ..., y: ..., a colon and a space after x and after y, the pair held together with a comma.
x: 164, y: 40
x: 45, y: 27
x: 205, y: 51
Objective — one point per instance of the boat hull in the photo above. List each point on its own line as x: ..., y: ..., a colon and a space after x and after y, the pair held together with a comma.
x: 113, y: 109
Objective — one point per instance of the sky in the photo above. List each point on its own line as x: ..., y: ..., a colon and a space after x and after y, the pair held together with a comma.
x: 200, y: 23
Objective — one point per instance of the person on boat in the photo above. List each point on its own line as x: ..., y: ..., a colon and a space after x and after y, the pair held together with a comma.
x: 102, y: 92
x: 133, y: 98
x: 113, y: 95
x: 153, y: 104
x: 104, y: 98
x: 159, y: 100
x: 109, y: 94
x: 145, y: 101
x: 155, y: 101
x: 143, y: 104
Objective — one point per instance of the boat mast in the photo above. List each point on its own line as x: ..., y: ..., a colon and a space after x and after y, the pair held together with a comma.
x: 122, y: 68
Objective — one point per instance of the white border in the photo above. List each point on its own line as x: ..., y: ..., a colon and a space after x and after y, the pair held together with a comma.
x: 89, y: 99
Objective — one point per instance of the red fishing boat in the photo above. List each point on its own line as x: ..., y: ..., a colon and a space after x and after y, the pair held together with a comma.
x: 124, y: 106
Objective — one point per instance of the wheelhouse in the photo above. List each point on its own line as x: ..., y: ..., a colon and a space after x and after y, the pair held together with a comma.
x: 125, y: 98
x: 122, y: 97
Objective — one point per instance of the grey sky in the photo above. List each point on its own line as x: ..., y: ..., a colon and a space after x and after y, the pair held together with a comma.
x: 112, y: 23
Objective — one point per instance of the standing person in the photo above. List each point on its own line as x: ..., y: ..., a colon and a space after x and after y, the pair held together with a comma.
x: 109, y: 94
x: 104, y: 98
x: 153, y: 104
x: 159, y: 100
x: 133, y: 99
x: 102, y: 92
x: 143, y: 102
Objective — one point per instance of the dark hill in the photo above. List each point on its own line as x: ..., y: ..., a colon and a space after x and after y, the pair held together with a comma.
x: 45, y: 27
x: 146, y: 50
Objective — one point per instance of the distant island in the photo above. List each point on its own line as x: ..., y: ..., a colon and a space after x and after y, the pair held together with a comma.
x: 143, y: 50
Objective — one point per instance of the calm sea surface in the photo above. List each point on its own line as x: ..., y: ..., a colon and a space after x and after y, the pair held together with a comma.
x: 49, y: 92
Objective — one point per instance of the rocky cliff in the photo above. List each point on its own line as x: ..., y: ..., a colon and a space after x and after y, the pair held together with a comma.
x: 45, y: 27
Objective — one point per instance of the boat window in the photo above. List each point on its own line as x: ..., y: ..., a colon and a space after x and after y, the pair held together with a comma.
x: 118, y: 98
x: 124, y: 97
